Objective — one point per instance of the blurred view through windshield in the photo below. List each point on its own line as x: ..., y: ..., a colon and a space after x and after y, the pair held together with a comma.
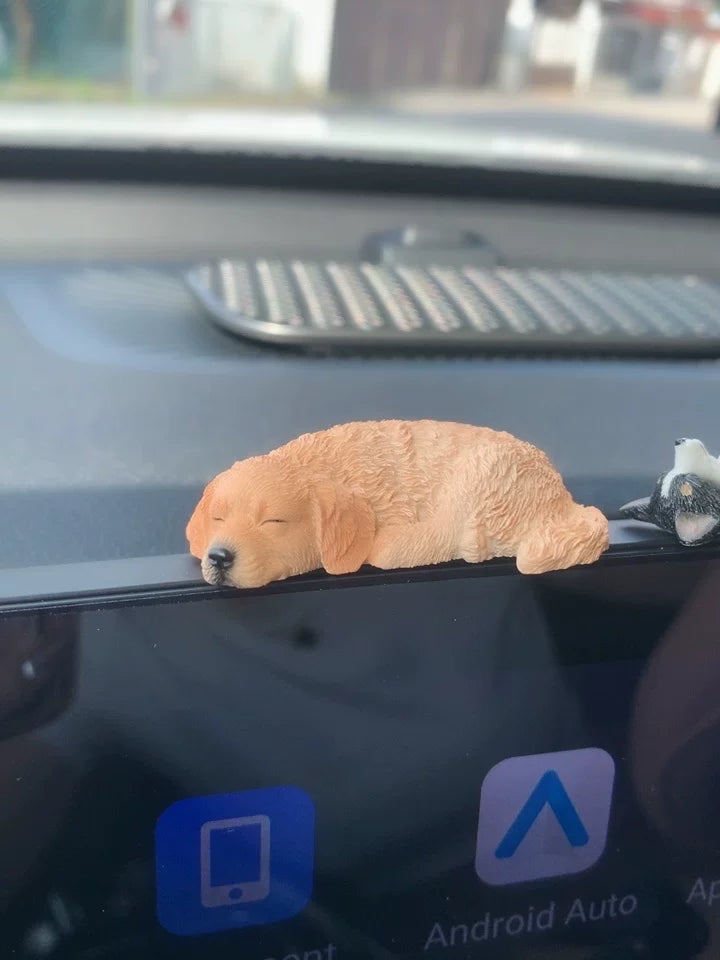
x: 619, y: 72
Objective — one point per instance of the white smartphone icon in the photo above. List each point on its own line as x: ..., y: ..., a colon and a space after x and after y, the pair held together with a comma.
x: 235, y: 861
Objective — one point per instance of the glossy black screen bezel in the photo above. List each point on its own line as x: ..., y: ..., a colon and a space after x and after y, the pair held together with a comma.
x: 141, y: 580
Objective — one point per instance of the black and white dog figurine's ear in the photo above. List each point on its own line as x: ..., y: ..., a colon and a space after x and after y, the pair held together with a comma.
x: 686, y: 500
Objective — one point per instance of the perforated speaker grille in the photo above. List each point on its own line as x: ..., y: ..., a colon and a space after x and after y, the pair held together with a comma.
x: 363, y: 304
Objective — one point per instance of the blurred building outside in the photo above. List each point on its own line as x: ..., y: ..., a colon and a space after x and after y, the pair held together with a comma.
x: 613, y: 46
x: 225, y: 47
x: 363, y: 50
x: 169, y: 48
x: 381, y: 46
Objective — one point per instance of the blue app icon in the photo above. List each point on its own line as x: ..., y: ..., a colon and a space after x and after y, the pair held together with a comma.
x: 234, y: 860
x: 544, y: 815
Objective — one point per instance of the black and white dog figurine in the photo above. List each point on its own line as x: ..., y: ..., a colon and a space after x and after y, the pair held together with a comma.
x: 686, y: 500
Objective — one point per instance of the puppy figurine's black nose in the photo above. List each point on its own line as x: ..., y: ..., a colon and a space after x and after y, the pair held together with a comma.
x: 680, y: 441
x: 221, y: 558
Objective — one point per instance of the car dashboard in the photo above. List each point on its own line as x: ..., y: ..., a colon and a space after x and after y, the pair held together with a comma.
x: 326, y: 769
x: 121, y: 397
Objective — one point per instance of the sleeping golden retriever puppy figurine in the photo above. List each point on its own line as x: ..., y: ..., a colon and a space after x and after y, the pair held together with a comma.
x: 390, y: 493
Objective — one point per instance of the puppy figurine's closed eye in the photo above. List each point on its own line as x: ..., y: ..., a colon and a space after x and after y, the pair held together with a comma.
x: 686, y: 499
x: 390, y: 494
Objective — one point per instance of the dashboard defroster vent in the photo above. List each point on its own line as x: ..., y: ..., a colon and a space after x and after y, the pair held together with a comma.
x: 493, y: 309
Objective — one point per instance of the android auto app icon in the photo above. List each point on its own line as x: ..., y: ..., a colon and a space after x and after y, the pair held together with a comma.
x: 544, y: 815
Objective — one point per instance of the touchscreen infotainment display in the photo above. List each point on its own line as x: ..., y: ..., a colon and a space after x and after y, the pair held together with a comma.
x: 494, y: 767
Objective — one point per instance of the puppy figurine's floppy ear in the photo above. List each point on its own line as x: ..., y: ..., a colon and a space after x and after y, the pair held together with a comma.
x: 345, y: 528
x: 197, y: 530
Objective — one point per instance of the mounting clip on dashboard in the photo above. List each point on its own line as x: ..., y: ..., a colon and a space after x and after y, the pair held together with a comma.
x: 423, y: 246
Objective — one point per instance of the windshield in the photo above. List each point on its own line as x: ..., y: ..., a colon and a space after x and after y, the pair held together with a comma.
x: 629, y: 87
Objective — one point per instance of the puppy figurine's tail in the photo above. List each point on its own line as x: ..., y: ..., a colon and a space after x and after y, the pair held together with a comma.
x: 637, y: 510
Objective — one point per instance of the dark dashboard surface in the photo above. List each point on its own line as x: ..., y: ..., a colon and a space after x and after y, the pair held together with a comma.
x: 119, y: 399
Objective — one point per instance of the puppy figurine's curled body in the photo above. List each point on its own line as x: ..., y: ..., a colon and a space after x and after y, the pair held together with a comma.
x: 390, y: 494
